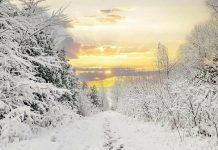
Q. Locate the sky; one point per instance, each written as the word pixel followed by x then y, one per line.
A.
pixel 125 33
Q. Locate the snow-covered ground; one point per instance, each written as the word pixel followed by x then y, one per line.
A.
pixel 109 131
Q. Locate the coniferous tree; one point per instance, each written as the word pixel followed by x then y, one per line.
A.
pixel 94 96
pixel 34 75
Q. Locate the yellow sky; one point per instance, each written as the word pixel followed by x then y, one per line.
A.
pixel 125 33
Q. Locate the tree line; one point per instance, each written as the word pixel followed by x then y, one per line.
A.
pixel 38 88
pixel 184 94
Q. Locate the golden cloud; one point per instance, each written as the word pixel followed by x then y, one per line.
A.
pixel 98 51
pixel 110 19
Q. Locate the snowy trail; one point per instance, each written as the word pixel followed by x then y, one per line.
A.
pixel 109 131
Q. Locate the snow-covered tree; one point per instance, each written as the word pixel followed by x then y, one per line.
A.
pixel 163 63
pixel 34 76
pixel 89 100
pixel 94 96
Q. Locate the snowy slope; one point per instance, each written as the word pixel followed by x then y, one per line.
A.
pixel 109 131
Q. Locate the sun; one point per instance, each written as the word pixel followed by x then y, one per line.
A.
pixel 108 72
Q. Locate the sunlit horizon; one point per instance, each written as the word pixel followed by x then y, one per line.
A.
pixel 125 33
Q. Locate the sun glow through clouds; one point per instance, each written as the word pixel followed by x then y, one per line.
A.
pixel 125 33
pixel 108 72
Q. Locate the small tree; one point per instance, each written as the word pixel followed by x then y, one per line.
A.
pixel 94 96
pixel 163 63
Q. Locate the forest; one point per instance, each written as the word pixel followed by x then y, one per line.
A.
pixel 40 90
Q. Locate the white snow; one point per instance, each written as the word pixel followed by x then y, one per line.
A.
pixel 110 131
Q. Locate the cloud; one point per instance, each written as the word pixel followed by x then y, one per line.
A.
pixel 71 47
pixel 104 19
pixel 90 74
pixel 108 16
pixel 110 19
pixel 94 50
pixel 88 47
pixel 111 50
pixel 104 16
pixel 113 10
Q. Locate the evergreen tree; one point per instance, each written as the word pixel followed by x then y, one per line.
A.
pixel 94 96
pixel 34 76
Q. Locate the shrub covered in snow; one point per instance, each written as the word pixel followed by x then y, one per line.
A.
pixel 38 87
pixel 184 95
